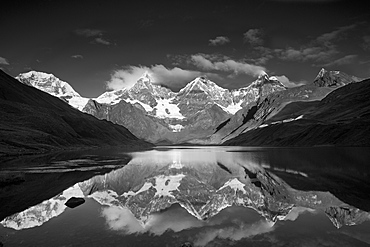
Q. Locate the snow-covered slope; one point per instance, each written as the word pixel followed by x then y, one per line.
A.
pixel 54 86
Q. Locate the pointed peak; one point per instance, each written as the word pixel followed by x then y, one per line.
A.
pixel 201 79
pixel 146 76
pixel 262 74
pixel 322 72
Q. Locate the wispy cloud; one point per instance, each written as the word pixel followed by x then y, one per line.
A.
pixel 288 83
pixel 366 43
pixel 327 38
pixel 172 77
pixel 96 34
pixel 253 37
pixel 203 62
pixel 4 61
pixel 102 41
pixel 77 56
pixel 321 49
pixel 89 32
pixel 233 233
pixel 220 40
pixel 341 61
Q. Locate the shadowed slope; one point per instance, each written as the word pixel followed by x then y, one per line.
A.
pixel 34 121
pixel 341 118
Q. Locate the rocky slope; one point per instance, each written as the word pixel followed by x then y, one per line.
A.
pixel 276 106
pixel 334 79
pixel 34 121
pixel 341 118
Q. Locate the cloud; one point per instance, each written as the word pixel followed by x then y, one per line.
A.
pixel 175 77
pixel 341 61
pixel 126 77
pixel 253 37
pixel 314 53
pixel 234 233
pixel 228 65
pixel 285 80
pixel 96 34
pixel 296 211
pixel 102 41
pixel 320 49
pixel 366 43
pixel 329 37
pixel 77 56
pixel 220 40
pixel 4 61
pixel 89 32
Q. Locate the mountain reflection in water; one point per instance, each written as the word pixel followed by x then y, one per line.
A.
pixel 206 196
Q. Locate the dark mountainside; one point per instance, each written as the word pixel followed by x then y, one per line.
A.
pixel 281 105
pixel 342 118
pixel 33 121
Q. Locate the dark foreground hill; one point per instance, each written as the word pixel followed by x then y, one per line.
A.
pixel 342 118
pixel 34 121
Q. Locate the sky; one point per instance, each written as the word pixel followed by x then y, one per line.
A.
pixel 106 45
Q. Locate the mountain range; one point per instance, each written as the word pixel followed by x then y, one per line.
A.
pixel 34 121
pixel 203 112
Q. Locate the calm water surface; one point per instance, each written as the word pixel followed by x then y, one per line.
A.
pixel 200 196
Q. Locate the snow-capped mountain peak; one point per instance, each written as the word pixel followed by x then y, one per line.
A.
pixel 51 84
pixel 146 77
pixel 202 83
pixel 47 83
pixel 336 78
pixel 321 73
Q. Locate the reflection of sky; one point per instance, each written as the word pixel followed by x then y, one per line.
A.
pixel 234 223
pixel 179 157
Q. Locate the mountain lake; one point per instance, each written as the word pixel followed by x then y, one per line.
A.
pixel 188 196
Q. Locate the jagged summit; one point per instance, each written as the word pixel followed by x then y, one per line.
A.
pixel 321 73
pixel 38 74
pixel 201 84
pixel 334 78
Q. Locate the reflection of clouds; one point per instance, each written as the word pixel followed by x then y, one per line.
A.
pixel 285 170
pixel 177 219
pixel 121 219
pixel 234 233
pixel 296 211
